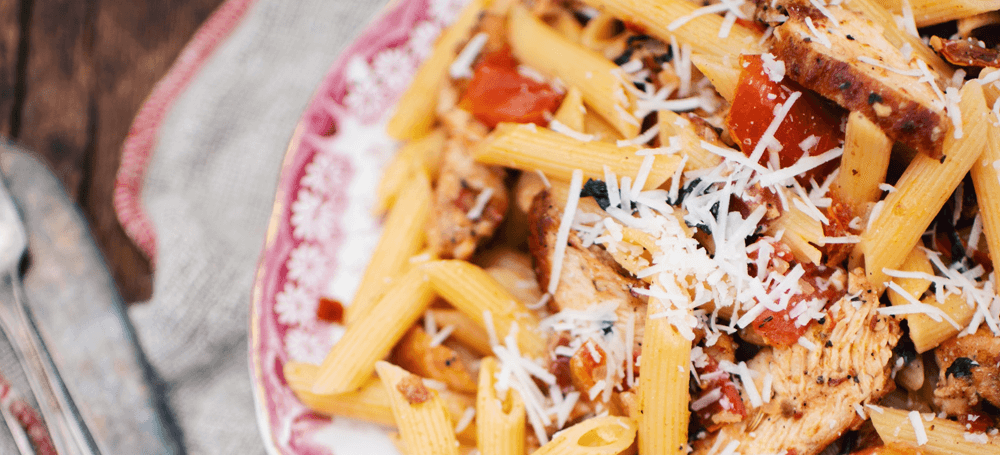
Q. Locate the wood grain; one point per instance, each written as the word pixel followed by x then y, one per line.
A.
pixel 10 35
pixel 88 66
pixel 56 116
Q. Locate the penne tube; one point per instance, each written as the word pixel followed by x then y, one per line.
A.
pixel 932 12
pixel 500 429
pixel 420 153
pixel 424 425
pixel 701 32
pixel 864 163
pixel 571 111
pixel 673 124
pixel 473 292
pixel 542 48
pixel 531 148
pixel 402 237
pixel 922 190
pixel 370 403
pixel 986 182
pixel 609 435
pixel 414 114
pixel 725 77
pixel 916 261
pixel 467 287
pixel 372 335
pixel 568 27
pixel 468 332
pixel 944 437
pixel 927 333
pixel 663 385
pixel 801 232
pixel 600 33
pixel 600 128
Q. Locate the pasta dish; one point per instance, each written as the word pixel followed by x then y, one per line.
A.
pixel 671 227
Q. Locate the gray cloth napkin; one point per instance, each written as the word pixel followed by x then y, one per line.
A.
pixel 209 190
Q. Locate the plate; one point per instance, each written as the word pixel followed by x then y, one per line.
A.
pixel 321 231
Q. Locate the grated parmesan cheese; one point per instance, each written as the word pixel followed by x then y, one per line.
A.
pixel 467 416
pixel 482 199
pixel 562 237
pixel 918 428
pixel 461 68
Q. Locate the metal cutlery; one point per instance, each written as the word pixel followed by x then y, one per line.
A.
pixel 69 434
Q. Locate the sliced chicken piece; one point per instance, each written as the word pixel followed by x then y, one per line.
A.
pixel 455 229
pixel 970 372
pixel 590 277
pixel 966 52
pixel 815 391
pixel 829 62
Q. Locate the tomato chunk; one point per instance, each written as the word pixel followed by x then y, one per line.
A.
pixel 754 104
pixel 498 93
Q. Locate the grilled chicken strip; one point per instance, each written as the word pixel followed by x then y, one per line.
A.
pixel 454 232
pixel 828 61
pixel 970 372
pixel 814 391
pixel 589 276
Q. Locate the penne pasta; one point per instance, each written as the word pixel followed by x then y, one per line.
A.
pixel 724 76
pixel 932 12
pixel 598 436
pixel 927 333
pixel 501 421
pixel 468 332
pixel 663 387
pixel 467 287
pixel 423 421
pixel 916 261
pixel 864 163
pixel 402 237
pixel 371 336
pixel 986 182
pixel 473 292
pixel 571 111
pixel 540 47
pixel 923 190
pixel 557 155
pixel 420 153
pixel 701 32
pixel 370 403
pixel 943 437
pixel 410 119
pixel 673 124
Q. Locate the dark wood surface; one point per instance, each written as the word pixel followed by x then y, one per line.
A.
pixel 73 73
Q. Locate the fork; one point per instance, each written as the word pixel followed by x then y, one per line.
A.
pixel 69 434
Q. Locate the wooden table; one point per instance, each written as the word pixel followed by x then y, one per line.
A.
pixel 73 73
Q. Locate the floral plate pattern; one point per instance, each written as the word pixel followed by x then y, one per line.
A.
pixel 321 232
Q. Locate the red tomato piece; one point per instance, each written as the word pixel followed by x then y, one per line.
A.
pixel 498 93
pixel 330 310
pixel 730 401
pixel 755 101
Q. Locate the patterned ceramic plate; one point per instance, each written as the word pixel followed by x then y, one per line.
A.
pixel 322 232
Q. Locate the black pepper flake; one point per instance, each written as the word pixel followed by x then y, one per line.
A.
pixel 908 126
pixel 634 39
pixel 766 320
pixel 665 57
pixel 844 85
pixel 943 157
pixel 607 327
pixel 820 380
pixel 828 344
pixel 961 367
pixel 624 58
pixel 598 190
pixel 850 37
pixel 874 98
